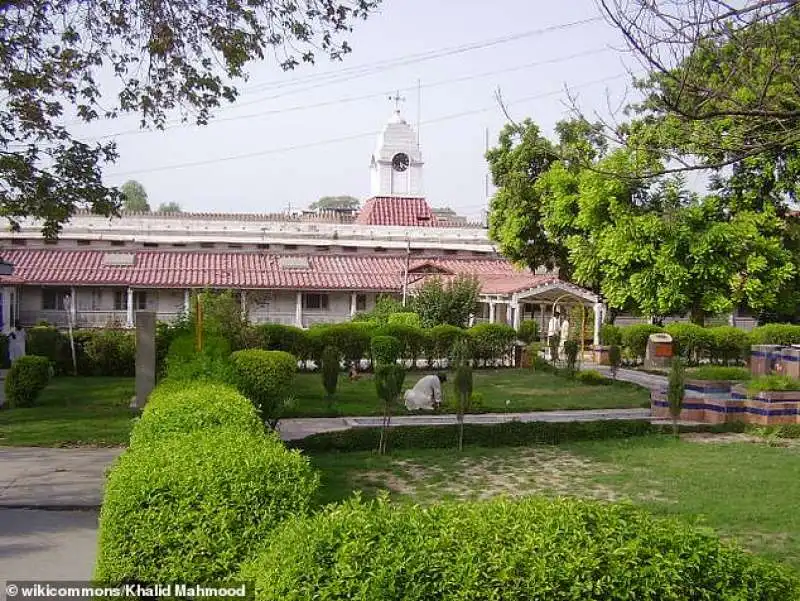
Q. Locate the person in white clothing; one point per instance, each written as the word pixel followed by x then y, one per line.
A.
pixel 426 394
pixel 16 343
pixel 564 336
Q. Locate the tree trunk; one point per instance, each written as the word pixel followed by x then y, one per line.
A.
pixel 697 316
pixel 460 418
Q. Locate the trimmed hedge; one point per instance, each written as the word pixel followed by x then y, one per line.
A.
pixel 351 338
pixel 776 333
pixel 26 379
pixel 690 341
pixel 634 338
pixel 442 339
pixel 265 377
pixel 290 339
pixel 180 407
pixel 412 340
pixel 729 344
pixel 491 341
pixel 610 335
pixel 47 341
pixel 111 353
pixel 592 377
pixel 385 350
pixel 183 362
pixel 405 319
pixel 189 508
pixel 509 434
pixel 534 548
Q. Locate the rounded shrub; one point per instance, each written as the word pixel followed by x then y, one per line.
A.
pixel 278 337
pixel 528 331
pixel 47 341
pixel 190 507
pixel 512 550
pixel 176 407
pixel 729 344
pixel 412 339
pixel 265 377
pixel 634 338
pixel 443 339
pixel 385 350
pixel 592 377
pixel 26 379
pixel 351 338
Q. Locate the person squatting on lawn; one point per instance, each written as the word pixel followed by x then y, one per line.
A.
pixel 426 394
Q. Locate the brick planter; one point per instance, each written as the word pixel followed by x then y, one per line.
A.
pixel 601 355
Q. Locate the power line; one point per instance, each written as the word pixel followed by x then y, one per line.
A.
pixel 356 72
pixel 348 99
pixel 353 136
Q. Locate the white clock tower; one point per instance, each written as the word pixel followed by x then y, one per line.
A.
pixel 396 165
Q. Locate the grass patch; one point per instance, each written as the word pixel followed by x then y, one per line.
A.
pixel 72 412
pixel 742 490
pixel 497 391
pixel 718 372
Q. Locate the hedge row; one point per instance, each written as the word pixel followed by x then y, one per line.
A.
pixel 200 486
pixel 533 548
pixel 26 379
pixel 721 344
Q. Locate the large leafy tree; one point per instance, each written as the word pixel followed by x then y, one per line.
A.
pixel 134 197
pixel 650 246
pixel 452 302
pixel 166 56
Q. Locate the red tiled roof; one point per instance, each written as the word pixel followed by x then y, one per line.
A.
pixel 393 210
pixel 198 269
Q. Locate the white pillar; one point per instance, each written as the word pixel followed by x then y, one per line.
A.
pixel 244 303
pixel 7 297
pixel 298 311
pixel 517 316
pixel 732 319
pixel 130 307
pixel 491 311
pixel 598 317
pixel 187 301
pixel 352 304
pixel 471 319
pixel 74 304
pixel 543 319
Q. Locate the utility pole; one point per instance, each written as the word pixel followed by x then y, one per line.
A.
pixel 405 271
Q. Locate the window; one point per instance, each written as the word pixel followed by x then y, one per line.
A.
pixel 323 249
pixel 350 249
pixel 117 243
pixel 379 249
pixel 262 246
pixel 18 242
pixel 50 242
pixel 315 302
pixel 53 299
pixel 150 244
pixel 179 244
pixel 234 246
pixel 290 247
pixel 206 245
pixel 361 302
pixel 97 300
pixel 121 300
pixel 450 251
pixel 84 242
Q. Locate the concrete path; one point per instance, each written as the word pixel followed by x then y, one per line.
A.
pixel 645 380
pixel 47 545
pixel 32 477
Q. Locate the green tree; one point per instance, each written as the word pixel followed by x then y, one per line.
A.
pixel 134 197
pixel 331 358
pixel 452 302
pixel 335 202
pixel 169 207
pixel 171 56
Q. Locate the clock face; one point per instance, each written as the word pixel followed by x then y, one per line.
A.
pixel 400 161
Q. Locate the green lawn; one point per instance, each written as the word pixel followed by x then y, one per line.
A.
pixel 743 490
pixel 500 391
pixel 94 411
pixel 72 411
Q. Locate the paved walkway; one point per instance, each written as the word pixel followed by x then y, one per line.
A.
pixel 641 378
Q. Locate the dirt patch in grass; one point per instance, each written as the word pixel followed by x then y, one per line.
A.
pixel 739 437
pixel 545 470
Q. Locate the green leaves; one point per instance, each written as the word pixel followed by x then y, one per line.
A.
pixel 452 303
pixel 265 377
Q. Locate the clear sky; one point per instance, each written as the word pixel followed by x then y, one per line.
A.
pixel 310 132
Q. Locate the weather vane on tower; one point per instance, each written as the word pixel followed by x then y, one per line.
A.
pixel 397 99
